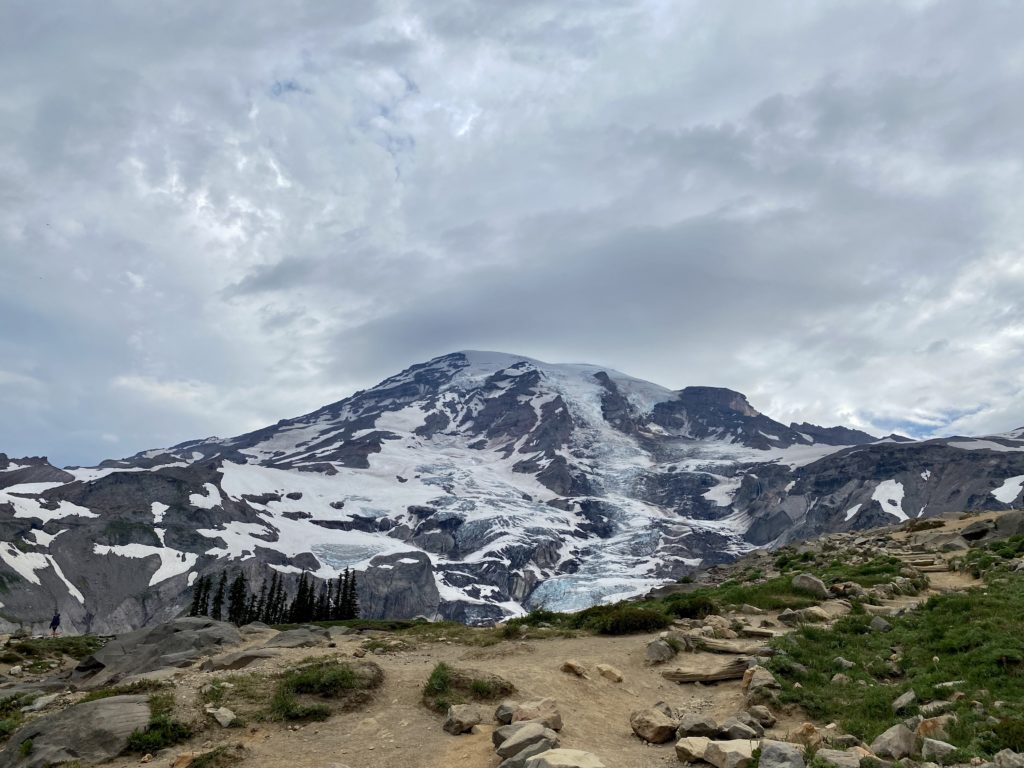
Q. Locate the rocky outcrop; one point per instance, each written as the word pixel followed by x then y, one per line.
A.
pixel 88 733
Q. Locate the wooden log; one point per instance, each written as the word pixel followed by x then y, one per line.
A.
pixel 757 632
pixel 718 645
pixel 732 670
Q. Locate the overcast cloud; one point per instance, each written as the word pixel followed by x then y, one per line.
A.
pixel 214 216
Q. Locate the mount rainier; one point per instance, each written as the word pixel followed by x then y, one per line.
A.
pixel 471 487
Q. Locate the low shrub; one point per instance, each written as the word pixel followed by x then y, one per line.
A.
pixel 446 686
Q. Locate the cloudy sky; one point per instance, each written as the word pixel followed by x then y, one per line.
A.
pixel 213 216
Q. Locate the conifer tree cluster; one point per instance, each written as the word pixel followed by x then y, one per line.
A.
pixel 332 600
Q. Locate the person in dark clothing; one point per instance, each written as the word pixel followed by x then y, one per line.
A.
pixel 54 624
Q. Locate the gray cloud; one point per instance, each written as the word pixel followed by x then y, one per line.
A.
pixel 213 218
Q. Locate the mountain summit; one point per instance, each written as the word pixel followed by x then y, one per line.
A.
pixel 472 487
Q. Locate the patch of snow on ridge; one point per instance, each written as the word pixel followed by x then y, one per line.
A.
pixel 25 564
pixel 890 495
pixel 722 494
pixel 209 500
pixel 1009 490
pixel 32 508
pixel 172 562
pixel 159 510
pixel 985 445
pixel 926 475
pixel 852 511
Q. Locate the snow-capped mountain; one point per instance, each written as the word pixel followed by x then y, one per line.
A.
pixel 473 486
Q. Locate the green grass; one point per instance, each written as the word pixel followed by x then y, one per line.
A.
pixel 75 646
pixel 219 757
pixel 11 716
pixel 972 636
pixel 321 679
pixel 162 730
pixel 447 686
pixel 138 687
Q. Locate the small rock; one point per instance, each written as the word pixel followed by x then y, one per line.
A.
pixel 903 702
pixel 652 725
pixel 146 758
pixel 844 663
pixel 840 678
pixel 503 714
pixel 224 716
pixel 359 653
pixel 814 614
pixel 610 672
pixel 461 718
pixel 935 727
pixel 780 754
pixel 15 671
pixel 574 668
pixel 762 715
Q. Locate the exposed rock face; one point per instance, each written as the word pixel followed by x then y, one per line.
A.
pixel 466 487
pixel 175 644
pixel 98 731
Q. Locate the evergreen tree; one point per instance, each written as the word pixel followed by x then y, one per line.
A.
pixel 323 603
pixel 237 597
pixel 217 609
pixel 259 608
pixel 298 609
pixel 197 594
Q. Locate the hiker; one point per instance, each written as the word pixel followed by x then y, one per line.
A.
pixel 54 624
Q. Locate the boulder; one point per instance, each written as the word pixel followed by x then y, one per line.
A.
pixel 93 732
pixel 461 718
pixel 897 742
pixel 780 754
pixel 738 753
pixel 697 725
pixel 500 735
pixel 659 651
pixel 904 702
pixel 519 759
pixel 815 614
pixel 837 758
pixel 174 644
pixel 936 751
pixel 758 678
pixel 691 749
pixel 609 672
pixel 529 734
pixel 564 758
pixel 653 725
pixel 878 624
pixel 542 710
pixel 844 663
pixel 1007 758
pixel 812 584
pixel 935 708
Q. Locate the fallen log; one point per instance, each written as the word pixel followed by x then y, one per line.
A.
pixel 717 645
pixel 732 670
